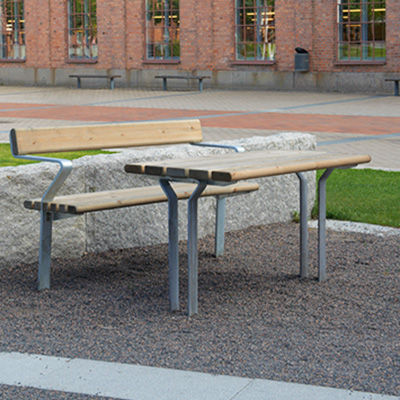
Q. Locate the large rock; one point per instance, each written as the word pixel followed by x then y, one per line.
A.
pixel 136 226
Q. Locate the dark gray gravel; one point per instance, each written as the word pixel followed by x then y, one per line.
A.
pixel 256 317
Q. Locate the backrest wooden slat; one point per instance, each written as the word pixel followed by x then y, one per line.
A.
pixel 92 137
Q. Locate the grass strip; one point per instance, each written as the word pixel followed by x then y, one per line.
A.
pixel 363 195
pixel 7 160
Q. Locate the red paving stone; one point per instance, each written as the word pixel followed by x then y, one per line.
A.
pixel 270 121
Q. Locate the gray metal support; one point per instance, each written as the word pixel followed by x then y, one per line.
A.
pixel 220 226
pixel 303 225
pixel 79 83
pixel 322 224
pixel 192 249
pixel 164 83
pixel 46 224
pixel 112 83
pixel 172 244
pixel 200 85
pixel 396 88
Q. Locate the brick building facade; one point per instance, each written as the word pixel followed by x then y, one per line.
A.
pixel 216 38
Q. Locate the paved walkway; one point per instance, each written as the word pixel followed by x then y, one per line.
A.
pixel 341 122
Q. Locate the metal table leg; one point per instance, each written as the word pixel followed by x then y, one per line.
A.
pixel 220 226
pixel 46 224
pixel 303 225
pixel 322 224
pixel 172 244
pixel 192 249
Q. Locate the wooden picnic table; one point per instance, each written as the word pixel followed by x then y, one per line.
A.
pixel 230 168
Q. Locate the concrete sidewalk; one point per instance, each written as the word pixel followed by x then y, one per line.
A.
pixel 134 382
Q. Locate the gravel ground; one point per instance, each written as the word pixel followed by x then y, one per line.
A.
pixel 256 318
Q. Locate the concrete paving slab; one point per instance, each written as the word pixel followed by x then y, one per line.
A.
pixel 134 382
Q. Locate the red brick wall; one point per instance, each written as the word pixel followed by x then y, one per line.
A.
pixel 207 36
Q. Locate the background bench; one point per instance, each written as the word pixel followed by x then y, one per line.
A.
pixel 396 84
pixel 109 77
pixel 26 143
pixel 199 78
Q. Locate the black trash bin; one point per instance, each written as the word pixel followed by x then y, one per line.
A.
pixel 301 60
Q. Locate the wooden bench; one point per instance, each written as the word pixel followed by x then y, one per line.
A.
pixel 27 143
pixel 396 84
pixel 109 77
pixel 199 78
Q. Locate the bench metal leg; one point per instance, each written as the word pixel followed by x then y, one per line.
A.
pixel 322 224
pixel 220 226
pixel 79 83
pixel 200 85
pixel 112 83
pixel 303 225
pixel 192 249
pixel 396 88
pixel 172 244
pixel 164 83
pixel 46 223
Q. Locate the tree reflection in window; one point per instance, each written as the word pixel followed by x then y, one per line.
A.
pixel 361 30
pixel 255 30
pixel 162 30
pixel 82 29
pixel 12 43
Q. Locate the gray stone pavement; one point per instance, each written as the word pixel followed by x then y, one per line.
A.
pixel 140 383
pixel 384 148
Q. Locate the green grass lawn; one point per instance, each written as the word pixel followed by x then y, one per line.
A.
pixel 363 195
pixel 7 160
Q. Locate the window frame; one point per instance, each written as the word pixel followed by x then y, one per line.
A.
pixel 13 31
pixel 365 24
pixel 88 14
pixel 268 10
pixel 153 46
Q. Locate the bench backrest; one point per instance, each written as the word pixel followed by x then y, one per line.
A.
pixel 107 136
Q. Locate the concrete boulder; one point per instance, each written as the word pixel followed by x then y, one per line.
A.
pixel 136 226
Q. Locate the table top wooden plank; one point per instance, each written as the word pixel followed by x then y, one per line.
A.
pixel 255 164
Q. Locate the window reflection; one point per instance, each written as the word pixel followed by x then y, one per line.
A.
pixel 255 30
pixel 361 30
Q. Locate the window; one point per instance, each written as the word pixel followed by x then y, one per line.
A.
pixel 162 30
pixel 82 29
pixel 12 22
pixel 361 30
pixel 255 30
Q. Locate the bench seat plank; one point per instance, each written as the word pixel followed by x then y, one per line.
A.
pixel 95 76
pixel 182 77
pixel 107 200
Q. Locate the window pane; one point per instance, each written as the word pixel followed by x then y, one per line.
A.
pixel 255 25
pixel 162 29
pixel 12 40
pixel 361 29
pixel 82 29
pixel 343 51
